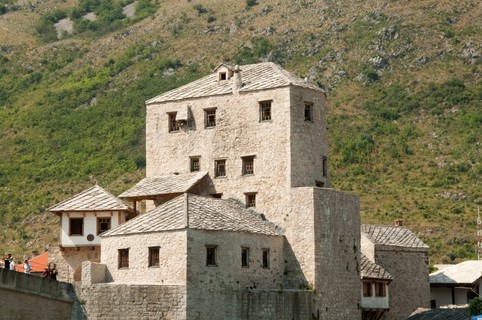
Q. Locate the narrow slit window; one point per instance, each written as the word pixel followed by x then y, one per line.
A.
pixel 325 166
pixel 195 164
pixel 265 258
pixel 220 168
pixel 123 258
pixel 308 111
pixel 211 256
pixel 245 257
pixel 248 165
pixel 210 118
pixel 173 124
pixel 154 256
pixel 265 111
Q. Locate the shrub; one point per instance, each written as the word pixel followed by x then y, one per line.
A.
pixel 251 3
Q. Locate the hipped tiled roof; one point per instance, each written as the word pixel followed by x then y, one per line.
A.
pixel 254 77
pixel 371 270
pixel 197 212
pixel 467 272
pixel 441 314
pixel 92 199
pixel 392 236
pixel 170 184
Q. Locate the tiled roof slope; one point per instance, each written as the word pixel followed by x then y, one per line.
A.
pixel 260 76
pixel 392 236
pixel 371 270
pixel 466 272
pixel 197 212
pixel 441 314
pixel 154 186
pixel 92 199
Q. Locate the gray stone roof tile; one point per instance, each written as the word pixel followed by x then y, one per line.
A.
pixel 441 314
pixel 92 199
pixel 393 236
pixel 197 212
pixel 371 270
pixel 154 186
pixel 258 76
pixel 467 272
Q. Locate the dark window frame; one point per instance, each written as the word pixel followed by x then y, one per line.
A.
pixel 250 199
pixel 71 219
pixel 220 168
pixel 173 125
pixel 248 165
pixel 154 256
pixel 266 258
pixel 100 222
pixel 211 256
pixel 210 118
pixel 325 166
pixel 367 289
pixel 380 289
pixel 265 108
pixel 195 164
pixel 308 111
pixel 123 258
pixel 244 257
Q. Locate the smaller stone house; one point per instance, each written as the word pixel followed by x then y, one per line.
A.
pixel 199 242
pixel 82 218
pixel 455 284
pixel 401 253
pixel 375 296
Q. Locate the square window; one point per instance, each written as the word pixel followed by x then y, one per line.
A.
pixel 222 76
pixel 154 256
pixel 210 118
pixel 265 111
pixel 265 258
pixel 76 226
pixel 319 184
pixel 123 258
pixel 308 111
pixel 103 224
pixel 367 289
pixel 195 164
pixel 245 257
pixel 173 124
pixel 248 165
pixel 250 200
pixel 211 255
pixel 216 195
pixel 220 168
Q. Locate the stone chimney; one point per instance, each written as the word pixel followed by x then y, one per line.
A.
pixel 237 81
pixel 399 222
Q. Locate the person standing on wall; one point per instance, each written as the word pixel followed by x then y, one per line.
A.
pixel 12 264
pixel 53 272
pixel 7 262
pixel 27 267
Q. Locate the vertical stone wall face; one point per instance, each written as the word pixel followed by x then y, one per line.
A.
pixel 69 261
pixel 229 273
pixel 172 256
pixel 115 301
pixel 324 232
pixel 410 288
pixel 308 143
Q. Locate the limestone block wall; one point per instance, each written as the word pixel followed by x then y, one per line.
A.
pixel 172 258
pixel 410 288
pixel 116 301
pixel 323 232
pixel 228 273
pixel 309 143
pixel 238 132
pixel 93 273
pixel 69 261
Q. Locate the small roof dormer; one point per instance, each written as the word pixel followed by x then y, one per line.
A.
pixel 224 71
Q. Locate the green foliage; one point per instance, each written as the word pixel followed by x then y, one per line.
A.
pixel 145 8
pixel 357 149
pixel 261 47
pixel 475 306
pixel 45 27
pixel 251 3
pixel 200 9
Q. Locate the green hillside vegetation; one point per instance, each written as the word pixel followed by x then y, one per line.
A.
pixel 403 84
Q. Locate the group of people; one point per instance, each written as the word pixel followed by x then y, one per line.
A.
pixel 49 272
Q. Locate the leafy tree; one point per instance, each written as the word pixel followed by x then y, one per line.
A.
pixel 475 306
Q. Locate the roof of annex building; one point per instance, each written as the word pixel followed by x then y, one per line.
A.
pixel 440 314
pixel 190 211
pixel 160 185
pixel 396 236
pixel 92 199
pixel 260 76
pixel 371 270
pixel 467 272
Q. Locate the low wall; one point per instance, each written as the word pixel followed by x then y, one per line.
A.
pixel 26 296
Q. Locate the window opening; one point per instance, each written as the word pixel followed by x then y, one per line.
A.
pixel 325 166
pixel 103 224
pixel 308 111
pixel 266 258
pixel 173 124
pixel 245 257
pixel 265 111
pixel 211 255
pixel 367 289
pixel 248 165
pixel 195 164
pixel 250 200
pixel 154 256
pixel 123 258
pixel 76 226
pixel 220 168
pixel 380 289
pixel 210 116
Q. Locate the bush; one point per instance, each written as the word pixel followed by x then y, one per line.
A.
pixel 251 3
pixel 200 9
pixel 475 306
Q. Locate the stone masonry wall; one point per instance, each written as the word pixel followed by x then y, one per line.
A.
pixel 172 258
pixel 69 261
pixel 410 288
pixel 228 273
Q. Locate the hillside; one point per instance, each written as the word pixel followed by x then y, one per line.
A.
pixel 403 81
